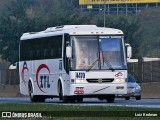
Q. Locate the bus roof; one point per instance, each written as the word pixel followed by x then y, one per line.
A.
pixel 72 30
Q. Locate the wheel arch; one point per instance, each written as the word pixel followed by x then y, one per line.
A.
pixel 31 81
pixel 60 81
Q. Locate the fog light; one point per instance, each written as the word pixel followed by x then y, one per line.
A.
pixel 79 81
pixel 119 80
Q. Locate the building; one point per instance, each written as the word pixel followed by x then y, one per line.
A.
pixel 115 6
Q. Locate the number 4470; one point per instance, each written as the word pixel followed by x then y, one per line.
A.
pixel 80 75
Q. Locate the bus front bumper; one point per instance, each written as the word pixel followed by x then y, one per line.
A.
pixel 97 89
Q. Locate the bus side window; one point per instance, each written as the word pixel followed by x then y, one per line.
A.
pixel 59 52
pixel 38 53
pixel 46 52
pixel 52 53
pixel 30 54
pixel 23 52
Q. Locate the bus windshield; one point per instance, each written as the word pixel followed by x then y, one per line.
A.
pixel 97 53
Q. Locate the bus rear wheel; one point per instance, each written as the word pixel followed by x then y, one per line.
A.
pixel 41 99
pixel 33 98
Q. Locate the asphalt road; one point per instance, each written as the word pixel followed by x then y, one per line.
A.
pixel 148 103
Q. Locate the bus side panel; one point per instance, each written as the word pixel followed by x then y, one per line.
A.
pixel 66 84
pixel 46 74
pixel 24 73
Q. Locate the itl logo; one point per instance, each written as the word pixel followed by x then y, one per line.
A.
pixel 43 80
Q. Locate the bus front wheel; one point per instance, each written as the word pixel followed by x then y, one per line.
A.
pixel 60 92
pixel 65 99
pixel 110 98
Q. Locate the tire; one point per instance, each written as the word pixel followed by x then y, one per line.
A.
pixel 41 99
pixel 72 99
pixel 127 98
pixel 110 98
pixel 60 92
pixel 65 99
pixel 33 98
pixel 138 98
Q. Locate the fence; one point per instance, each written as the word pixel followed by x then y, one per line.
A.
pixel 142 71
pixel 145 71
pixel 9 77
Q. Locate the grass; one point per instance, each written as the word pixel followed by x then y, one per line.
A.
pixel 75 112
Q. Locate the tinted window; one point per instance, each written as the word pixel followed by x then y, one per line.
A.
pixel 41 48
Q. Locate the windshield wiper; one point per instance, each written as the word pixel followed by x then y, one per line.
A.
pixel 105 61
pixel 92 65
pixel 108 63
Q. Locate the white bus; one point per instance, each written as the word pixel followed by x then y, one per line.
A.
pixel 73 62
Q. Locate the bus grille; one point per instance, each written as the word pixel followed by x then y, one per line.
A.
pixel 99 80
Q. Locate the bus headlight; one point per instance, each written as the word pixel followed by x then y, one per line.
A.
pixel 119 80
pixel 78 81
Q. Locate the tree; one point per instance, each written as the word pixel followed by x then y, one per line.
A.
pixel 36 15
pixel 12 24
pixel 31 16
pixel 130 25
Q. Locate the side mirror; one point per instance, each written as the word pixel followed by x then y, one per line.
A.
pixel 128 50
pixel 13 66
pixel 68 51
